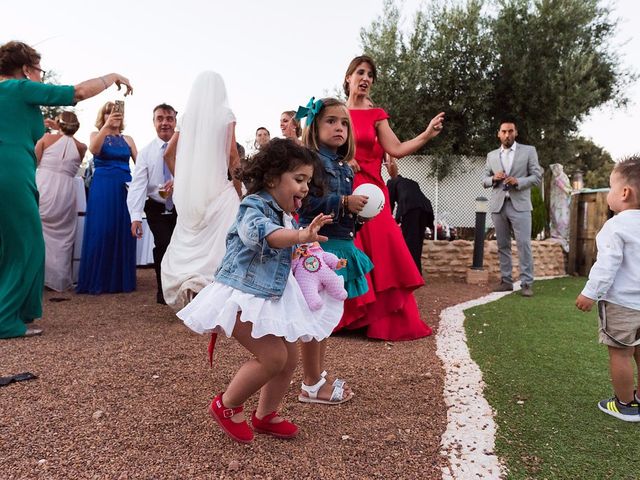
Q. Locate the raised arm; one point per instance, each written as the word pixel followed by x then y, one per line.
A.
pixel 170 153
pixel 285 237
pixel 90 88
pixel 398 149
pixel 234 160
pixel 96 139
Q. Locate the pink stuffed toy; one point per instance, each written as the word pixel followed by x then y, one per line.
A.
pixel 314 271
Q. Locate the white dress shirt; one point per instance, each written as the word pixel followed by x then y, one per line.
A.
pixel 148 174
pixel 506 157
pixel 615 277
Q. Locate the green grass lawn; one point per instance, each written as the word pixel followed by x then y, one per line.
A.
pixel 545 373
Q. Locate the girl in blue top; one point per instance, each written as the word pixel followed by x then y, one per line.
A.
pixel 255 297
pixel 329 133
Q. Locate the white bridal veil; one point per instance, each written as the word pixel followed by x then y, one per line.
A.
pixel 202 156
pixel 205 199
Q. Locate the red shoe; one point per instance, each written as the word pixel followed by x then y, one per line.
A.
pixel 240 431
pixel 283 429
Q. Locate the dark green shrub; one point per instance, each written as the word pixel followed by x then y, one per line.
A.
pixel 539 213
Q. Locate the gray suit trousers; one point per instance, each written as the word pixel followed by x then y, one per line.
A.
pixel 521 224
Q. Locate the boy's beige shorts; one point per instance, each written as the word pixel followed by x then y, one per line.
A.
pixel 619 326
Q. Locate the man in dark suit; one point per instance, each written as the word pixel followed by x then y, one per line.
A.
pixel 414 212
pixel 510 172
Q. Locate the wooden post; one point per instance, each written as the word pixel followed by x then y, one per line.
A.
pixel 589 212
pixel 573 234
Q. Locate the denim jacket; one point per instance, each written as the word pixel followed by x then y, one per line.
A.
pixel 339 181
pixel 250 264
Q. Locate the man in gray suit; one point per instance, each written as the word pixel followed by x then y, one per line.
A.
pixel 511 171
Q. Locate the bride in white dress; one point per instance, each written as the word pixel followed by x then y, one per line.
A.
pixel 201 155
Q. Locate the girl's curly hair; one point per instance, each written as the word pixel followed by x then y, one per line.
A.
pixel 278 156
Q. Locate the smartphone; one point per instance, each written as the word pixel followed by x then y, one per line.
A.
pixel 118 106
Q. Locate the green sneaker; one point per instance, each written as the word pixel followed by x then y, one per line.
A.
pixel 613 407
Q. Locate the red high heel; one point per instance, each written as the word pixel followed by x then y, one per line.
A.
pixel 240 431
pixel 283 429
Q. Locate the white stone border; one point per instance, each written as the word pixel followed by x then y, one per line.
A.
pixel 469 439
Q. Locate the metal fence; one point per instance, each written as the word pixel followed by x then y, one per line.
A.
pixel 453 198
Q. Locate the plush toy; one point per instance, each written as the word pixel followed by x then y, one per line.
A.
pixel 314 271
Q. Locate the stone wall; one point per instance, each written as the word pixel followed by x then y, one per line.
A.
pixel 443 259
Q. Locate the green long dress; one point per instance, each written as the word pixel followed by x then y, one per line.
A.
pixel 21 241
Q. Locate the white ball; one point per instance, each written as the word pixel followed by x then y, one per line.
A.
pixel 375 204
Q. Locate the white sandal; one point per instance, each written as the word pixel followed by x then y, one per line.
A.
pixel 337 395
pixel 337 382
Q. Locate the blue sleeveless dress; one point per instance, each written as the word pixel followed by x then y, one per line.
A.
pixel 108 261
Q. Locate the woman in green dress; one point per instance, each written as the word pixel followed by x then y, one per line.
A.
pixel 21 126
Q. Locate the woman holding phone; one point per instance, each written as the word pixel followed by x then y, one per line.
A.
pixel 22 91
pixel 108 261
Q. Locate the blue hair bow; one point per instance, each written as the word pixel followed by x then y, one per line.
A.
pixel 310 111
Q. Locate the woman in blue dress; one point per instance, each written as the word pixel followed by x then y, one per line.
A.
pixel 108 262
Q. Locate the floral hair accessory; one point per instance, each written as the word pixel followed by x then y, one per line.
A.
pixel 310 111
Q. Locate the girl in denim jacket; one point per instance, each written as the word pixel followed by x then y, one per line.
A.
pixel 255 297
pixel 328 132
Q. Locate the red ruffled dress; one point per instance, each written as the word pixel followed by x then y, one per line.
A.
pixel 388 310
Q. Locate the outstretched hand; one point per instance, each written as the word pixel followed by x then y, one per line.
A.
pixel 310 233
pixel 435 125
pixel 120 80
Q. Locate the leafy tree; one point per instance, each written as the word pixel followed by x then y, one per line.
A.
pixel 590 159
pixel 549 62
pixel 401 73
pixel 539 213
pixel 457 61
pixel 553 66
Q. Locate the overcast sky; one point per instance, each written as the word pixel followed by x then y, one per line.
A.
pixel 272 55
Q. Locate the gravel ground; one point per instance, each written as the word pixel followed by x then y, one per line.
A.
pixel 123 391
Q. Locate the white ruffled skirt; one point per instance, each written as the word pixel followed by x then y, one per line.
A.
pixel 215 308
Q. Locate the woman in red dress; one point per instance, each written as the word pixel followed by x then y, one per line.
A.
pixel 388 310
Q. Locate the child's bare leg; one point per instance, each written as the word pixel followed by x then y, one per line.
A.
pixel 273 391
pixel 323 352
pixel 322 368
pixel 622 375
pixel 311 361
pixel 270 358
pixel 313 354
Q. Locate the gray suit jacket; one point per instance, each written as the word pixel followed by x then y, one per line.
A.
pixel 525 168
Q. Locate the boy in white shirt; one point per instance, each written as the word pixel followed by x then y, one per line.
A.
pixel 614 282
